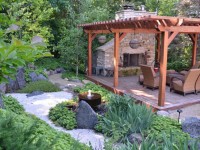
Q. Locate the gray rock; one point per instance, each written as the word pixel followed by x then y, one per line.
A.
pixel 33 76
pixel 12 85
pixel 51 72
pixel 86 81
pixel 162 113
pixel 135 138
pixel 3 88
pixel 41 77
pixel 75 80
pixel 1 102
pixel 86 117
pixel 59 70
pixel 35 93
pixel 20 77
pixel 192 126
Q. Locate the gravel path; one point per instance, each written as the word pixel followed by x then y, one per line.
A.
pixel 39 105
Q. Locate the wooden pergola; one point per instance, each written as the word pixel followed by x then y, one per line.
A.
pixel 165 30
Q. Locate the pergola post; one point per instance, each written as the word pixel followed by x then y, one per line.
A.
pixel 89 54
pixel 90 39
pixel 157 57
pixel 116 58
pixel 194 49
pixel 163 68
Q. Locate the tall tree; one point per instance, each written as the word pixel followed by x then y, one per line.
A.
pixel 163 7
pixel 31 16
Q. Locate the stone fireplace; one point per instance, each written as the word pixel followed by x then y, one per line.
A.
pixel 128 57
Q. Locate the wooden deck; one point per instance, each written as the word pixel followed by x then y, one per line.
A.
pixel 130 85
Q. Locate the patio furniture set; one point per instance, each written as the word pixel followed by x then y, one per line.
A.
pixel 183 82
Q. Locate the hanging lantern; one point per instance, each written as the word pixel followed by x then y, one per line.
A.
pixel 102 39
pixel 134 43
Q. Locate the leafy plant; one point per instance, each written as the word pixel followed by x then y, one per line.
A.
pixel 13 105
pixel 62 116
pixel 124 117
pixel 168 126
pixel 32 133
pixel 94 88
pixel 170 143
pixel 48 63
pixel 14 55
pixel 41 85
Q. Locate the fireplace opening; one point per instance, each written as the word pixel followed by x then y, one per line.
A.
pixel 132 60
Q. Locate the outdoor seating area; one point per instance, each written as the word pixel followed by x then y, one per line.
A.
pixel 130 85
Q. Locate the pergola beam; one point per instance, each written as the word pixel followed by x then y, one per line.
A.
pixel 180 29
pixel 122 36
pixel 172 36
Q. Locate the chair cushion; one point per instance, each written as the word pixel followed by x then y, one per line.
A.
pixel 171 71
pixel 178 85
pixel 184 72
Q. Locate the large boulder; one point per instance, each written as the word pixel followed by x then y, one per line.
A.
pixel 3 88
pixel 41 77
pixel 135 138
pixel 20 77
pixel 12 85
pixel 33 76
pixel 35 93
pixel 86 117
pixel 192 126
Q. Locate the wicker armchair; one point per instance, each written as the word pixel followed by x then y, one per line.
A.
pixel 196 66
pixel 197 86
pixel 151 79
pixel 187 83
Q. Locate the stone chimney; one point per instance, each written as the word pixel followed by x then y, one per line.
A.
pixel 129 12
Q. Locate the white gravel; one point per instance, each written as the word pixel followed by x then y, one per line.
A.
pixel 39 106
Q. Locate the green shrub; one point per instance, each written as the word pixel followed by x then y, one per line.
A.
pixel 62 116
pixel 26 132
pixel 49 63
pixel 124 117
pixel 42 85
pixel 94 88
pixel 170 143
pixel 72 75
pixel 168 126
pixel 13 105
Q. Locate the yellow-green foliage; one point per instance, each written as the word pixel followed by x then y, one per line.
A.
pixel 62 116
pixel 129 71
pixel 168 126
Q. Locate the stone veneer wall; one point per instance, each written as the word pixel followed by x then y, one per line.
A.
pixel 105 54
